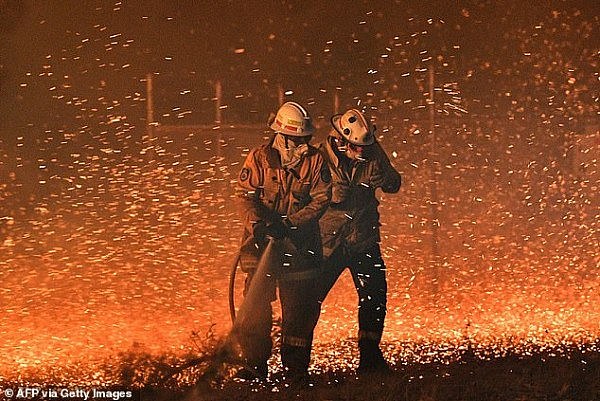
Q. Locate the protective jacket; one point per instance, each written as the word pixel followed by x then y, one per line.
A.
pixel 268 193
pixel 352 220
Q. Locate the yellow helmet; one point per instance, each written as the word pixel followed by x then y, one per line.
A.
pixel 354 127
pixel 293 119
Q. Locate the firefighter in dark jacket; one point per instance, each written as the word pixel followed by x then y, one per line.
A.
pixel 284 188
pixel 350 226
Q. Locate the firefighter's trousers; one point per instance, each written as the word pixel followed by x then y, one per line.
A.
pixel 300 311
pixel 368 273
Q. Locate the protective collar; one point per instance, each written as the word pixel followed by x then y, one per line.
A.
pixel 291 155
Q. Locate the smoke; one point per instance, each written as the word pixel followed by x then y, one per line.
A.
pixel 11 12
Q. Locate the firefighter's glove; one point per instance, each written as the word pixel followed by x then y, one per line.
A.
pixel 340 191
pixel 259 231
pixel 278 229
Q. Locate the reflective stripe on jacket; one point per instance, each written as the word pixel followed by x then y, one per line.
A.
pixel 268 192
pixel 352 219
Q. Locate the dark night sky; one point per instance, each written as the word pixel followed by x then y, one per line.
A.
pixel 54 54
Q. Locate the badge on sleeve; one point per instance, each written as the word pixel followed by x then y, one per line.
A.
pixel 326 175
pixel 245 174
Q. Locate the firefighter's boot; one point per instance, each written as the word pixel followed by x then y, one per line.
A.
pixel 371 358
pixel 295 360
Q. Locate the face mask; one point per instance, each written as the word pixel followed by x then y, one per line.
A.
pixel 290 149
pixel 351 151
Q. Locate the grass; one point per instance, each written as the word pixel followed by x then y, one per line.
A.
pixel 545 376
pixel 560 373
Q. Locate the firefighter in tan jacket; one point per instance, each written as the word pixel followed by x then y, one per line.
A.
pixel 350 226
pixel 284 188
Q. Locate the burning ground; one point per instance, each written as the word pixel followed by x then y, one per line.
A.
pixel 120 267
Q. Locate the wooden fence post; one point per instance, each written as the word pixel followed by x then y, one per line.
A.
pixel 218 102
pixel 280 94
pixel 433 201
pixel 150 124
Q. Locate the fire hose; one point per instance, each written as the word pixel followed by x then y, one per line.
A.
pixel 225 352
pixel 287 276
pixel 232 274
